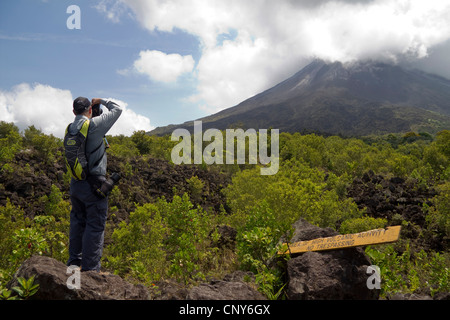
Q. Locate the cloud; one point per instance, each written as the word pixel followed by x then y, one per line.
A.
pixel 218 84
pixel 163 67
pixel 50 110
pixel 274 39
pixel 111 9
pixel 47 108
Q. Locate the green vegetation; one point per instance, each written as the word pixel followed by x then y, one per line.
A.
pixel 176 238
pixel 410 271
pixel 23 291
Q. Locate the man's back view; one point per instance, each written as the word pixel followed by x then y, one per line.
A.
pixel 89 211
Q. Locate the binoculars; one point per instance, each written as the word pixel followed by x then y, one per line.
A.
pixel 96 110
pixel 101 186
pixel 108 184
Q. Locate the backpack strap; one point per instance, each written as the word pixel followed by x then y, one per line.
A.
pixel 85 132
pixel 67 129
pixel 68 166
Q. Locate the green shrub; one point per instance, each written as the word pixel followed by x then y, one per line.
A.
pixel 23 291
pixel 48 147
pixel 164 239
pixel 28 242
pixel 257 246
pixel 295 192
pixel 408 272
pixel 136 248
pixel 12 220
pixel 158 147
pixel 438 217
pixel 10 142
pixel 54 223
pixel 257 238
pixel 362 224
pixel 443 142
pixel 187 239
pixel 21 237
pixel 195 188
pixel 122 146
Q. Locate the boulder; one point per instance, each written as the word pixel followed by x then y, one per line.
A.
pixel 169 290
pixel 53 279
pixel 232 287
pixel 409 296
pixel 327 275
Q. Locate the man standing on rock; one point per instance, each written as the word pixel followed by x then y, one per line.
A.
pixel 89 211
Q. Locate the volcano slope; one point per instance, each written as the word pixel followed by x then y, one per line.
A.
pixel 349 99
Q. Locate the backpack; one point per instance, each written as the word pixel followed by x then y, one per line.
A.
pixel 75 152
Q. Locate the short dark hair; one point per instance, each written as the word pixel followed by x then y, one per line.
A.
pixel 81 105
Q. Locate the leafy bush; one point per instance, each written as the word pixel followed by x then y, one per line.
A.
pixel 443 142
pixel 10 142
pixel 21 237
pixel 362 224
pixel 438 218
pixel 28 242
pixel 12 220
pixel 47 146
pixel 54 223
pixel 195 188
pixel 187 239
pixel 136 248
pixel 162 239
pixel 24 290
pixel 408 272
pixel 296 191
pixel 121 146
pixel 258 238
pixel 257 247
pixel 140 144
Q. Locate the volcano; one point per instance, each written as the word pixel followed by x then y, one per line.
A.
pixel 348 99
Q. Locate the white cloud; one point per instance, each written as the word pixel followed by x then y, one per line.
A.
pixel 111 9
pixel 50 110
pixel 218 67
pixel 276 38
pixel 47 108
pixel 163 67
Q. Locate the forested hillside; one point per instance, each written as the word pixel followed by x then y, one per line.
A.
pixel 165 220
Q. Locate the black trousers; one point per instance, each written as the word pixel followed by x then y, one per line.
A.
pixel 87 226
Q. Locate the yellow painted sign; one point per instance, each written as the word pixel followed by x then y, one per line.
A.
pixel 391 234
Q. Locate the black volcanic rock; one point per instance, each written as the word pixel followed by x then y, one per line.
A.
pixel 327 275
pixel 352 99
pixel 53 278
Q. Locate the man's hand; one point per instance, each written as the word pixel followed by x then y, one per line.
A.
pixel 96 101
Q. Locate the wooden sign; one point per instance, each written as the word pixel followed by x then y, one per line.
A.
pixel 391 234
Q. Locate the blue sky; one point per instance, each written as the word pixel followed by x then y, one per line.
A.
pixel 174 61
pixel 37 47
